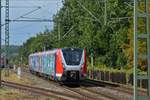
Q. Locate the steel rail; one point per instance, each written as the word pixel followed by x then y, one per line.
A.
pixel 41 91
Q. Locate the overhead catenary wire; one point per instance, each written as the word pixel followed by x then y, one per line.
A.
pixel 24 15
pixel 35 20
pixel 68 31
pixel 107 1
pixel 30 12
pixel 52 0
pixel 121 18
pixel 34 0
pixel 22 6
pixel 32 19
pixel 90 13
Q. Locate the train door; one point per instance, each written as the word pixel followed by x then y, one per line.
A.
pixel 55 78
pixel 37 63
pixel 53 65
pixel 34 63
pixel 42 63
pixel 49 67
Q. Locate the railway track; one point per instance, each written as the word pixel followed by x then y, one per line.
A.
pixel 86 93
pixel 90 95
pixel 100 93
pixel 103 87
pixel 83 93
pixel 116 86
pixel 119 92
pixel 42 91
pixel 54 94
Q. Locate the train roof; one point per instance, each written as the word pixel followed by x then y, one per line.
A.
pixel 44 52
pixel 72 48
pixel 51 51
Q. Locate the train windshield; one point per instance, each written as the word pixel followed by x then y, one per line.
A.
pixel 72 56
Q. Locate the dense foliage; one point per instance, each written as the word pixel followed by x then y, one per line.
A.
pixel 80 23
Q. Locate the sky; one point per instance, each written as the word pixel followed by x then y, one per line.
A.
pixel 21 31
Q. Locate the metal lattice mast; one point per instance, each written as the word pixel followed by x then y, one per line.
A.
pixel 138 15
pixel 7 27
pixel 0 42
pixel 6 32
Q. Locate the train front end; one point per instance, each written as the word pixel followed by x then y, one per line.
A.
pixel 74 64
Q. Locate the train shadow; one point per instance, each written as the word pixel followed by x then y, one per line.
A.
pixel 83 83
pixel 89 83
pixel 97 83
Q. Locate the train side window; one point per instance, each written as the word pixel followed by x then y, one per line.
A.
pixel 36 61
pixel 40 61
pixel 46 60
pixel 33 61
pixel 43 61
pixel 49 60
pixel 53 61
pixel 30 61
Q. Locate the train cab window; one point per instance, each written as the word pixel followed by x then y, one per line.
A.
pixel 72 56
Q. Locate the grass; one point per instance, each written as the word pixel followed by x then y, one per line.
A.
pixel 2 90
pixel 13 77
pixel 14 94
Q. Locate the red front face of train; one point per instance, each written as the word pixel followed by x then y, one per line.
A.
pixel 71 64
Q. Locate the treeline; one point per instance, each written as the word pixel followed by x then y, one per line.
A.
pixel 81 23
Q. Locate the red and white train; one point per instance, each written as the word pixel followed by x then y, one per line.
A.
pixel 66 64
